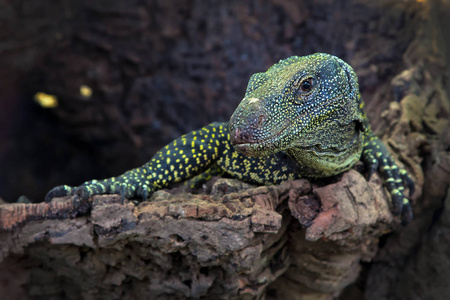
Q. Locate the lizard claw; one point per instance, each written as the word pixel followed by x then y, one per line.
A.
pixel 143 191
pixel 59 191
pixel 123 192
pixel 80 204
pixel 407 214
pixel 83 192
pixel 407 181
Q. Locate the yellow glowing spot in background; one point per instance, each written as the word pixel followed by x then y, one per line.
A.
pixel 46 100
pixel 85 91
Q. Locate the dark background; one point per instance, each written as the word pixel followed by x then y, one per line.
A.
pixel 159 69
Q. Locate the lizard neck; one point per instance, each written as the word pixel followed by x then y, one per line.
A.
pixel 328 159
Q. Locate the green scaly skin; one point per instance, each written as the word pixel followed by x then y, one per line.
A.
pixel 302 118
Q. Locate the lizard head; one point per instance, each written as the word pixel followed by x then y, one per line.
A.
pixel 307 106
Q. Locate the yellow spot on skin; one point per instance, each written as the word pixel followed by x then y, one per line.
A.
pixel 395 191
pixel 85 91
pixel 46 100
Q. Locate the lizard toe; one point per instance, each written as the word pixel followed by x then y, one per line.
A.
pixel 59 191
pixel 407 214
pixel 407 181
pixel 83 192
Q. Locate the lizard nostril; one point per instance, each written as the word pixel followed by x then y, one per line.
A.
pixel 245 137
pixel 240 137
pixel 261 120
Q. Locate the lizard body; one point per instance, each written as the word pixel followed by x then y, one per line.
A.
pixel 303 117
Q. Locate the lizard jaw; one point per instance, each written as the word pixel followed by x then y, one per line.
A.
pixel 247 145
pixel 252 149
pixel 243 148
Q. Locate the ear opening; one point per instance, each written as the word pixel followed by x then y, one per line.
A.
pixel 360 125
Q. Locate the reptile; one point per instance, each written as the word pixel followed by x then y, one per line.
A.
pixel 302 118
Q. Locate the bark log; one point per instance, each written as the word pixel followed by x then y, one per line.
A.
pixel 220 244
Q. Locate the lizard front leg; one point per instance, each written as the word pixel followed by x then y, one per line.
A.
pixel 377 157
pixel 184 158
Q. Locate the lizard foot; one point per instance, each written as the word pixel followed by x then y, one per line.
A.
pixel 376 156
pixel 126 188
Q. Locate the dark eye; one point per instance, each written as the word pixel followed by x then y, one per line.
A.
pixel 306 85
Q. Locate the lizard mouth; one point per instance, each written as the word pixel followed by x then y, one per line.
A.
pixel 249 146
pixel 244 148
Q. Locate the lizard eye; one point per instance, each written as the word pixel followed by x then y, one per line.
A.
pixel 303 88
pixel 306 85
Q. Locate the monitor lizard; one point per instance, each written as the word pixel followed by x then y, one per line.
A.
pixel 302 118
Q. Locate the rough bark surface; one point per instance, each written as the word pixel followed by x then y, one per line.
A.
pixel 213 245
pixel 157 71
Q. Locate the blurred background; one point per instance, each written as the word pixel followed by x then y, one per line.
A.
pixel 89 89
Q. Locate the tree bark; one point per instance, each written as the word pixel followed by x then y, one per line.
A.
pixel 219 244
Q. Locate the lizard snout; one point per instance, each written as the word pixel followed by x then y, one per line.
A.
pixel 246 125
pixel 240 136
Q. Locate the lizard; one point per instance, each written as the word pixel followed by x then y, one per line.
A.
pixel 302 118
